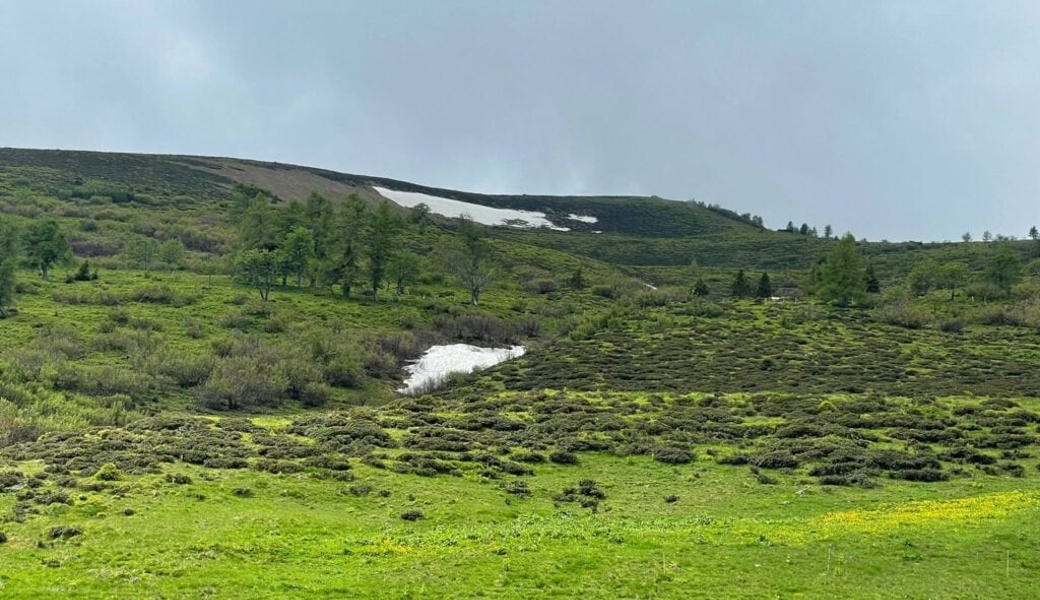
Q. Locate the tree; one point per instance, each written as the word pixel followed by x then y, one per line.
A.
pixel 966 238
pixel 419 216
pixel 1034 234
pixel 320 219
pixel 700 288
pixel 171 252
pixel 790 227
pixel 45 245
pixel 142 252
pixel 873 284
pixel 827 232
pixel 1003 270
pixel 577 280
pixel 296 254
pixel 8 265
pixel 259 225
pixel 349 231
pixel 473 264
pixel 741 287
pixel 843 276
pixel 953 275
pixel 987 236
pixel 383 227
pixel 765 288
pixel 923 277
pixel 258 268
pixel 804 229
pixel 83 273
pixel 403 268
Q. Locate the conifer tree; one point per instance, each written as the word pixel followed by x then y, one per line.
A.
pixel 741 287
pixel 765 287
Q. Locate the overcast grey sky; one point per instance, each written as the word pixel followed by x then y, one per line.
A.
pixel 897 120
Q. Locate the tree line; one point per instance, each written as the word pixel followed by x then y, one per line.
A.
pixel 350 245
pixel 844 277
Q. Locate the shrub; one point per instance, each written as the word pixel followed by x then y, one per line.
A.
pixel 779 459
pixel 220 462
pixel 923 475
pixel 412 515
pixel 590 487
pixel 517 488
pixel 671 455
pixel 108 472
pixel 64 532
pixel 562 457
pixel 541 286
pixel 153 294
pixel 903 314
pixel 529 457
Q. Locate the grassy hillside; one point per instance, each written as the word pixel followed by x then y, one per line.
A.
pixel 166 433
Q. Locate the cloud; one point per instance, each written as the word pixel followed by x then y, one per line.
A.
pixel 895 120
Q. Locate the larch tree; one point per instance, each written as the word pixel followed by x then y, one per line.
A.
pixel 383 228
pixel 350 228
pixel 296 254
pixel 843 276
pixel 473 265
pixel 1004 269
pixel 403 267
pixel 45 246
pixel 257 268
pixel 320 218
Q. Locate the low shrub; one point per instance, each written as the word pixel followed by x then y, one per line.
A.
pixel 672 455
pixel 562 457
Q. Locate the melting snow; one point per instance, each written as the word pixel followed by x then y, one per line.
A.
pixel 583 218
pixel 485 215
pixel 439 361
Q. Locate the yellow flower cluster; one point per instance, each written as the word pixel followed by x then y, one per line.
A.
pixel 925 512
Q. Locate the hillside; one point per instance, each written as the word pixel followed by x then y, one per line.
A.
pixel 198 395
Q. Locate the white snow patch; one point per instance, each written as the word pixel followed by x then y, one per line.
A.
pixel 440 361
pixel 485 215
pixel 651 286
pixel 583 218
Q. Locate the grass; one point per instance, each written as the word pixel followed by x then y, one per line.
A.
pixel 725 537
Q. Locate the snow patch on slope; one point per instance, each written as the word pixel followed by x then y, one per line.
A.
pixel 583 218
pixel 440 361
pixel 485 215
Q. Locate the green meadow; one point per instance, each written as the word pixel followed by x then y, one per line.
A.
pixel 166 432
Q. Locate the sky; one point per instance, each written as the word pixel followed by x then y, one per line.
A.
pixel 910 120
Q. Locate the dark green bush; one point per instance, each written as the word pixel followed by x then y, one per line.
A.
pixel 562 457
